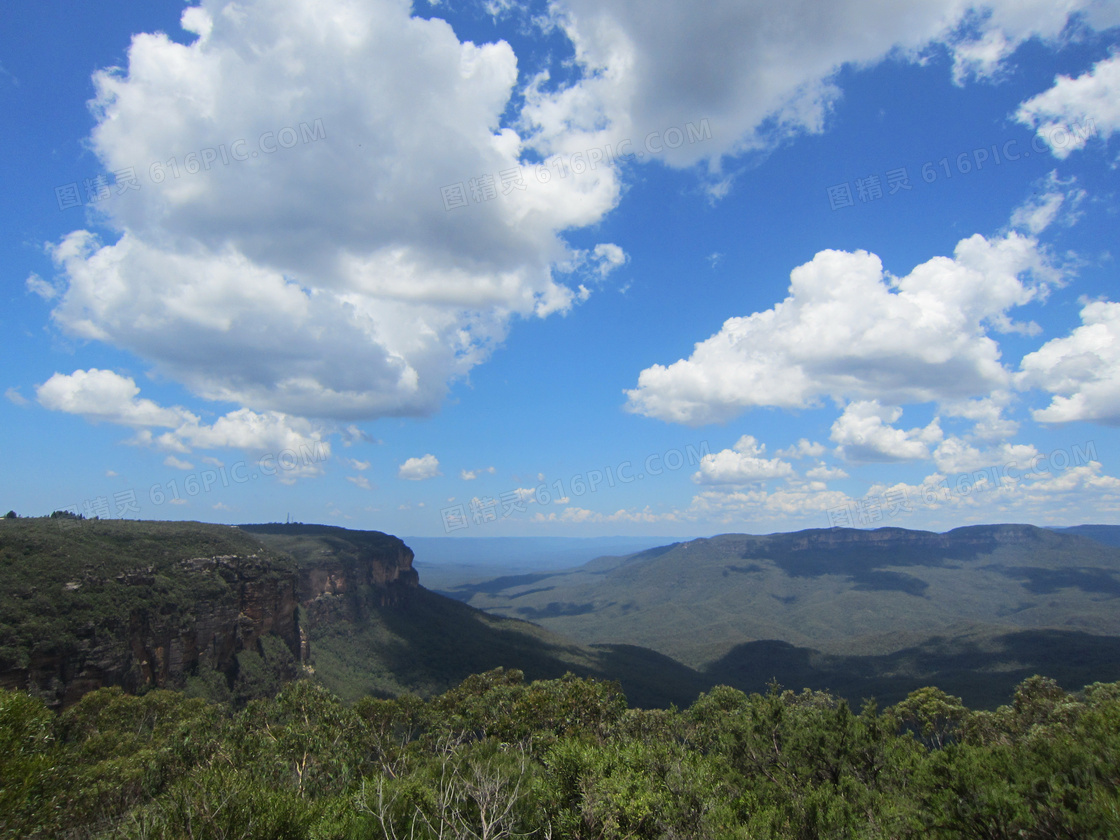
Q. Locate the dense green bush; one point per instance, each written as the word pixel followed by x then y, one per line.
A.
pixel 497 757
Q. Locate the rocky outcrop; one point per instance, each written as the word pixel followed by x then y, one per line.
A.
pixel 261 600
pixel 348 589
pixel 343 574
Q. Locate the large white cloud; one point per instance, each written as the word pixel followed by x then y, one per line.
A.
pixel 1081 370
pixel 1073 110
pixel 324 274
pixel 848 331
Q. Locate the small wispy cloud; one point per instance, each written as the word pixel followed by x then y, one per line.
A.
pixel 16 397
pixel 41 287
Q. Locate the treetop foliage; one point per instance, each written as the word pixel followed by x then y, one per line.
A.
pixel 499 757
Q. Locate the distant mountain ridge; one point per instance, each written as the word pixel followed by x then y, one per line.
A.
pixel 1107 534
pixel 841 591
pixel 447 563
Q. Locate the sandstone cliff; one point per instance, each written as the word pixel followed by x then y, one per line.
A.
pixel 343 574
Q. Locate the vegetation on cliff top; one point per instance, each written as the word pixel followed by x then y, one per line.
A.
pixel 312 544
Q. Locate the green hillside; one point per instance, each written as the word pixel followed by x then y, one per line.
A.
pixel 860 614
pixel 309 545
pixel 982 668
pixel 431 643
pixel 1107 534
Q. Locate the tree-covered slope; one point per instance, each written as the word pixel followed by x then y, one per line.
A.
pixel 229 613
pixel 428 643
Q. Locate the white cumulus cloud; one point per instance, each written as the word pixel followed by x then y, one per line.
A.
pixel 1074 110
pixel 317 247
pixel 106 396
pixel 986 414
pixel 864 433
pixel 804 448
pixel 742 464
pixel 1081 370
pixel 102 395
pixel 823 472
pixel 322 275
pixel 418 469
pixel 954 455
pixel 850 331
pixel 757 72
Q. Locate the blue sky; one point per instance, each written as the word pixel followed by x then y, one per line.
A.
pixel 580 268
